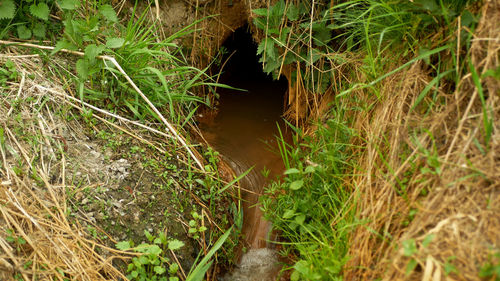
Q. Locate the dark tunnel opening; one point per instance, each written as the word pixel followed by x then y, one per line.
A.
pixel 242 69
pixel 242 59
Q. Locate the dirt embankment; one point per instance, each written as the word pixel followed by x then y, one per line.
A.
pixel 73 184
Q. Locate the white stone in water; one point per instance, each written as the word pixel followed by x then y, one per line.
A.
pixel 256 265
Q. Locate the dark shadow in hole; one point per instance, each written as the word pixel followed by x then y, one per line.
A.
pixel 243 70
pixel 243 60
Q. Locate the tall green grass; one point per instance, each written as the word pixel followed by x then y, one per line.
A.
pixel 154 62
pixel 313 207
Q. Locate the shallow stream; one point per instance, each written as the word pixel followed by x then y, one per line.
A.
pixel 244 132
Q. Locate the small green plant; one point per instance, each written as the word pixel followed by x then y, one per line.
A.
pixel 409 249
pixel 195 229
pixel 305 203
pixel 491 269
pixel 8 73
pixel 449 267
pixel 30 18
pixel 153 264
pixel 18 241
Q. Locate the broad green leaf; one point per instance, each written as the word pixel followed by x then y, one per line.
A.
pixel 271 65
pixel 148 235
pixel 114 43
pixel 270 49
pixel 296 185
pixel 260 23
pixel 288 214
pixel 39 30
pixel 429 5
pixel 260 12
pixel 23 32
pixel 409 247
pixel 63 44
pixel 192 223
pixel 82 68
pixel 293 12
pixel 449 267
pixel 40 11
pixel 143 260
pixel 322 34
pixel 69 4
pixel 277 10
pixel 108 13
pixel 316 55
pixel 291 171
pixel 300 219
pixel 309 169
pixel 159 270
pixel 155 250
pixel 7 9
pixel 92 51
pixel 124 245
pixel 302 266
pixel 295 276
pixel 173 268
pixel 428 240
pixel 149 249
pixel 261 47
pixel 411 266
pixel 175 245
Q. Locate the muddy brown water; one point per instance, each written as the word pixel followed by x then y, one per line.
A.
pixel 244 132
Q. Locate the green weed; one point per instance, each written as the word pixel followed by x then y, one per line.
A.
pixel 491 269
pixel 8 73
pixel 154 262
pixel 29 18
pixel 313 211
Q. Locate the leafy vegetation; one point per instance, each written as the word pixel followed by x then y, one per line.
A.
pixel 314 212
pixel 317 36
pixel 30 18
pixel 92 32
pixel 351 48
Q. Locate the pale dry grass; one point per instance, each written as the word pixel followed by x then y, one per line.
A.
pixel 423 176
pixel 37 240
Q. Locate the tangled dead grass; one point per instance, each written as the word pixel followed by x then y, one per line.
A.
pixel 37 241
pixel 429 186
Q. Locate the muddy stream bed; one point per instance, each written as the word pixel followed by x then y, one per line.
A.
pixel 244 132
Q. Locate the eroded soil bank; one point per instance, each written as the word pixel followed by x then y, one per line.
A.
pixel 90 183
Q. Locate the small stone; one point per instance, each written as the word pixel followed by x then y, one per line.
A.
pixel 137 216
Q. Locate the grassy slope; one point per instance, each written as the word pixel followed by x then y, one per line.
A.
pixel 405 169
pixel 97 177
